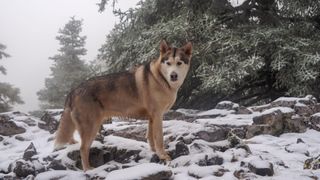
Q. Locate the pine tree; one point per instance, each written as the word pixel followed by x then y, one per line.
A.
pixel 68 69
pixel 9 95
pixel 250 54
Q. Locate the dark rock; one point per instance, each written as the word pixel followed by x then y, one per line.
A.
pixel 24 168
pixel 161 175
pixel 49 123
pixel 312 163
pixel 29 152
pixel 220 172
pixel 255 130
pixel 8 127
pixel 266 169
pixel 216 160
pixel 213 134
pixel 96 157
pixel 314 122
pixel 180 150
pixel 1 138
pixel 19 138
pixel 299 140
pixel 155 159
pixel 30 177
pixel 56 165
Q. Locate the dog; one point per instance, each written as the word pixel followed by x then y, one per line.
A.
pixel 145 92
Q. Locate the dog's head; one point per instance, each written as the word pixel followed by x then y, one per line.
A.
pixel 175 62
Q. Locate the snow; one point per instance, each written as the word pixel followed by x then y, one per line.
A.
pixel 137 172
pixel 282 109
pixel 280 151
pixel 215 112
pixel 236 3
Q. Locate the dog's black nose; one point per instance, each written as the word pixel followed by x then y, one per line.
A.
pixel 174 76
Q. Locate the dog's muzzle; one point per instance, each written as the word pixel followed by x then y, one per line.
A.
pixel 173 76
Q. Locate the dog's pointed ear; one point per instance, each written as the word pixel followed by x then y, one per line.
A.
pixel 163 46
pixel 188 48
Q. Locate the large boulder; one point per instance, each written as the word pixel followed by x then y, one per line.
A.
pixel 9 127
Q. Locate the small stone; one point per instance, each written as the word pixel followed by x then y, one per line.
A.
pixel 29 152
pixel 56 165
pixel 312 163
pixel 216 160
pixel 213 134
pixel 261 167
pixel 19 138
pixel 299 140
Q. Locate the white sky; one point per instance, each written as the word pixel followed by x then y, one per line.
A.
pixel 28 28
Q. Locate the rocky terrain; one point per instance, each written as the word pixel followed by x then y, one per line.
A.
pixel 280 140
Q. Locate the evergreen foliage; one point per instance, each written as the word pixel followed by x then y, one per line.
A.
pixel 250 53
pixel 68 69
pixel 9 95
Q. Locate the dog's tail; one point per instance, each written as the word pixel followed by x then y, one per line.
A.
pixel 65 130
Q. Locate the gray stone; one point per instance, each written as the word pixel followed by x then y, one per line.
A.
pixel 262 171
pixel 56 165
pixel 212 134
pixel 24 168
pixel 161 175
pixel 8 127
pixel 49 123
pixel 215 160
pixel 29 152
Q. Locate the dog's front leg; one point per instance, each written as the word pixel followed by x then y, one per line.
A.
pixel 150 136
pixel 158 139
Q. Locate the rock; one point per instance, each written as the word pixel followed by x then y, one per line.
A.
pixel 172 114
pixel 295 124
pixel 29 152
pixel 284 102
pixel 312 163
pixel 180 150
pixel 56 165
pixel 162 175
pixel 38 166
pixel 261 108
pixel 314 122
pixel 299 140
pixel 303 110
pixel 96 157
pixel 227 105
pixel 215 160
pixel 275 121
pixel 8 127
pixel 212 134
pixel 49 122
pixel 243 110
pixel 137 133
pixel 19 138
pixel 29 121
pixel 23 168
pixel 1 138
pixel 261 167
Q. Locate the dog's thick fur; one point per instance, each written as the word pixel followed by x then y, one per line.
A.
pixel 147 92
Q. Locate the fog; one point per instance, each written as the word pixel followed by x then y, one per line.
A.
pixel 28 28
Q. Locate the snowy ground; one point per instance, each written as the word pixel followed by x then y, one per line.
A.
pixel 286 155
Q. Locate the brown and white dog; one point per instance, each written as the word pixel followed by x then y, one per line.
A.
pixel 146 92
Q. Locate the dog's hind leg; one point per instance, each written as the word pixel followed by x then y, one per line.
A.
pixel 88 127
pixel 65 130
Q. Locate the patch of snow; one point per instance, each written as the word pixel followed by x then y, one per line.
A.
pixel 62 175
pixel 137 172
pixel 282 109
pixel 236 3
pixel 215 112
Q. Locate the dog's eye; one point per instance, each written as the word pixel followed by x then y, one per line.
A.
pixel 179 63
pixel 169 64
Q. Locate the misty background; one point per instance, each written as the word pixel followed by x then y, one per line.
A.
pixel 28 29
